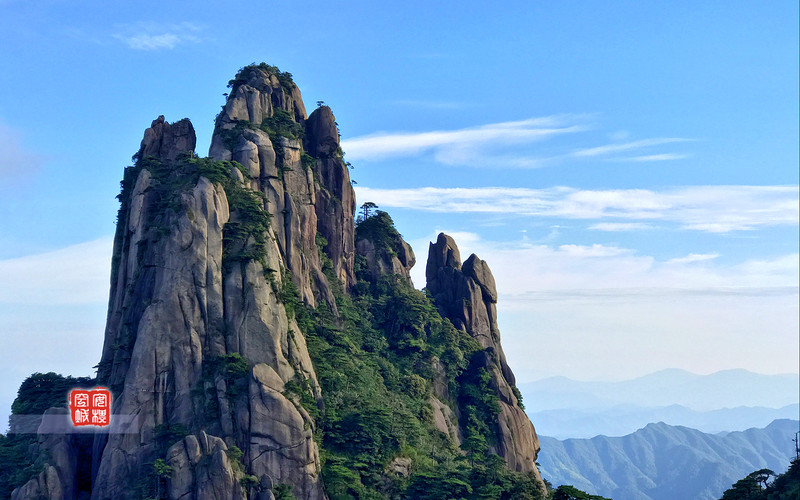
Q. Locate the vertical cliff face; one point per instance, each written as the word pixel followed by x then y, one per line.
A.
pixel 198 338
pixel 297 164
pixel 466 294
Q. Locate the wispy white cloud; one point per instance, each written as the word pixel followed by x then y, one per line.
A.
pixel 152 36
pixel 717 209
pixel 609 270
pixel 693 257
pixel 590 251
pixel 73 275
pixel 601 310
pixel 627 146
pixel 456 145
pixel 656 157
pixel 506 144
pixel 16 161
pixel 151 42
pixel 619 226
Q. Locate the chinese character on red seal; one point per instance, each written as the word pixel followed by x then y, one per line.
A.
pixel 90 406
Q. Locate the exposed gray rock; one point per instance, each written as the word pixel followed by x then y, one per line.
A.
pixel 202 469
pixel 281 442
pixel 467 296
pixel 400 466
pixel 167 141
pixel 478 270
pixel 68 450
pixel 198 343
pixel 445 420
pixel 176 310
pixel 306 194
pixel 322 136
pixel 442 255
pixel 381 262
pixel 336 201
pixel 47 485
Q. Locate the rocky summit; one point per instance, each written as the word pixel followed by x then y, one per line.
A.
pixel 466 295
pixel 262 344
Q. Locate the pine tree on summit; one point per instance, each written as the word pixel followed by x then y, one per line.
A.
pixel 366 211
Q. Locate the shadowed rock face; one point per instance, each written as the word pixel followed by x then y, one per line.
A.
pixel 335 203
pixel 466 295
pixel 166 141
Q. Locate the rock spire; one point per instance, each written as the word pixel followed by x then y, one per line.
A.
pixel 466 294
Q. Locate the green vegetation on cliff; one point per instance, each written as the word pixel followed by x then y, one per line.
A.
pixel 379 229
pixel 377 363
pixel 756 485
pixel 243 74
pixel 20 458
pixel 245 234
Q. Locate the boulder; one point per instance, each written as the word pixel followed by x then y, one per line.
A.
pixel 322 135
pixel 396 261
pixel 166 141
pixel 202 469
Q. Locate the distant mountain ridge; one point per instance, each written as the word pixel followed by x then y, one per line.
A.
pixel 730 400
pixel 625 419
pixel 723 389
pixel 664 462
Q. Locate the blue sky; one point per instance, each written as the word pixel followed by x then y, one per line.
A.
pixel 628 169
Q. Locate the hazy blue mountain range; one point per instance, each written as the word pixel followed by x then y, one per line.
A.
pixel 725 389
pixel 625 419
pixel 730 400
pixel 664 462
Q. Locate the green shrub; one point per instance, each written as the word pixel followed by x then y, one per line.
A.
pixel 283 492
pixel 285 78
pixel 244 237
pixel 307 161
pixel 281 124
pixel 41 391
pixel 379 228
pixel 167 435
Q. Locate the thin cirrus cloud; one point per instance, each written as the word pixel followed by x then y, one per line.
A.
pixel 715 209
pixel 619 226
pixel 151 36
pixel 694 257
pixel 631 146
pixel 73 275
pixel 657 157
pixel 450 143
pixel 488 145
pixel 613 271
